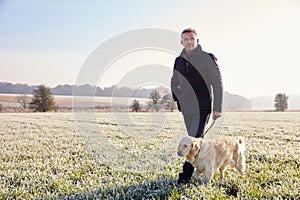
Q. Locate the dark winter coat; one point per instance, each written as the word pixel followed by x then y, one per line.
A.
pixel 196 82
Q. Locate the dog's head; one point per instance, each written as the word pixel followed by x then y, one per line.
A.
pixel 189 146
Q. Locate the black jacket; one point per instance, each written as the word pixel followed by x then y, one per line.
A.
pixel 196 82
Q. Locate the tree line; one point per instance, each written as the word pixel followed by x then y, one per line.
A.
pixel 155 103
pixel 43 101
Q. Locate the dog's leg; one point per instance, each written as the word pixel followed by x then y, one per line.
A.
pixel 226 163
pixel 222 169
pixel 241 160
pixel 241 163
pixel 208 175
pixel 241 166
pixel 197 174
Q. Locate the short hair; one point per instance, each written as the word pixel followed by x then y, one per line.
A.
pixel 189 30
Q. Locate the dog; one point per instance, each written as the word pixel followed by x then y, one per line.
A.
pixel 208 156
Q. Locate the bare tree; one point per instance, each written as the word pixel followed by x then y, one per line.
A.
pixel 154 100
pixel 135 106
pixel 42 100
pixel 154 96
pixel 281 103
pixel 23 100
pixel 167 102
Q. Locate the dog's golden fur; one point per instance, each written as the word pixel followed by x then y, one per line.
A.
pixel 208 157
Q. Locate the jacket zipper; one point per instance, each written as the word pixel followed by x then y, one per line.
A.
pixel 187 67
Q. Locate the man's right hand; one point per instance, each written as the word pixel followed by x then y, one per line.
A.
pixel 216 115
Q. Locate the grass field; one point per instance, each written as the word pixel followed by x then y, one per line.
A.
pixel 133 156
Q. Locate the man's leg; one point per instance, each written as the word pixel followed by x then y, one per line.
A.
pixel 187 169
pixel 186 174
pixel 204 118
pixel 195 125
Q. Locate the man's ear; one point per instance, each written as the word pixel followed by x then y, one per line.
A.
pixel 181 42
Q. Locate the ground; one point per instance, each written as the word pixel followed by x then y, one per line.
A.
pixel 133 156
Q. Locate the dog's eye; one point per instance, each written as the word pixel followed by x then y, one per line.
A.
pixel 185 145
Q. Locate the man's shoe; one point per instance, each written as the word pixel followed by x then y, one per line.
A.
pixel 181 183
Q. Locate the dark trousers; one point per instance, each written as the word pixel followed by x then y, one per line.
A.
pixel 195 125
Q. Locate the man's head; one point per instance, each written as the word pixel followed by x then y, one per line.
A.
pixel 189 39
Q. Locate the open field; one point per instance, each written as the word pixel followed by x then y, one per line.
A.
pixel 133 156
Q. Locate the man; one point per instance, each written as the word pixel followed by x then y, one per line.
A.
pixel 196 81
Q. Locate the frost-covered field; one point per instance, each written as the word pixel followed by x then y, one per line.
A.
pixel 133 156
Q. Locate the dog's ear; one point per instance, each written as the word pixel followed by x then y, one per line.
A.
pixel 195 146
pixel 200 142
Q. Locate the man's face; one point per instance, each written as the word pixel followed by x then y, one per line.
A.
pixel 189 41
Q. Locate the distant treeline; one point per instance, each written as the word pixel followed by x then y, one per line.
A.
pixel 231 101
pixel 82 90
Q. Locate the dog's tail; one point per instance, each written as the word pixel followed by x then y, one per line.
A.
pixel 241 161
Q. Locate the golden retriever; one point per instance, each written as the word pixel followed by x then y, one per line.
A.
pixel 208 157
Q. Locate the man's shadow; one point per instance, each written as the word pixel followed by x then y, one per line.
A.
pixel 161 188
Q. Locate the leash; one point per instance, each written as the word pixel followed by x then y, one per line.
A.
pixel 203 137
pixel 208 128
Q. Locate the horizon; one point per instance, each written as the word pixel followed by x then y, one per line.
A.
pixel 146 87
pixel 256 42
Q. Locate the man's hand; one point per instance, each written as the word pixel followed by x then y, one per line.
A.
pixel 216 115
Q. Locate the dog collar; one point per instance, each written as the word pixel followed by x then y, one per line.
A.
pixel 197 153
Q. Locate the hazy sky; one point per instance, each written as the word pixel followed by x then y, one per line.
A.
pixel 256 42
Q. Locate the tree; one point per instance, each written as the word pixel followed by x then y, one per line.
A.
pixel 23 100
pixel 1 107
pixel 154 96
pixel 281 103
pixel 154 100
pixel 42 100
pixel 135 106
pixel 167 102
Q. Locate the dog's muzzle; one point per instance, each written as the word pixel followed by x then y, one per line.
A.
pixel 179 153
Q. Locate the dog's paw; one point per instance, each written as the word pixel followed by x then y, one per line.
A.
pixel 196 176
pixel 204 181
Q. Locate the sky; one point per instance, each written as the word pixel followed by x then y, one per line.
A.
pixel 256 42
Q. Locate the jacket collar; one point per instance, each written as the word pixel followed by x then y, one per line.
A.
pixel 197 51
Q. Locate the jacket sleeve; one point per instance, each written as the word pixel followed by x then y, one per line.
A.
pixel 175 88
pixel 215 78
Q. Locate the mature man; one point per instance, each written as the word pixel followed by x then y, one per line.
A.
pixel 195 84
